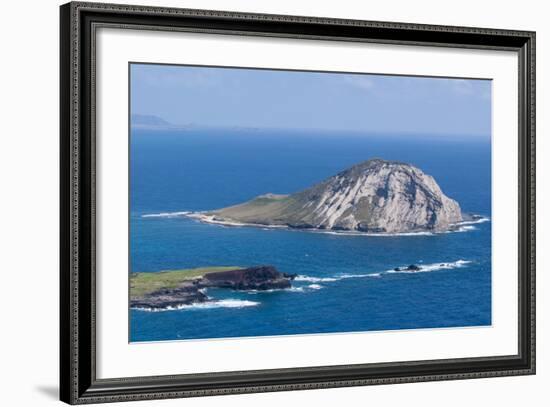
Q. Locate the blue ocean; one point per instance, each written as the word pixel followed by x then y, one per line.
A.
pixel 346 282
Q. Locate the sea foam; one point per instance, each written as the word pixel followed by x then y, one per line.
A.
pixel 166 214
pixel 338 277
pixel 473 222
pixel 426 268
pixel 228 303
pixel 315 279
pixel 294 289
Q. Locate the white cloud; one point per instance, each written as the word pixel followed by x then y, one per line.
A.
pixel 360 82
pixel 468 87
pixel 462 86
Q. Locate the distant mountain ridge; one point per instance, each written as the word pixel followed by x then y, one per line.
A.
pixel 375 196
pixel 146 120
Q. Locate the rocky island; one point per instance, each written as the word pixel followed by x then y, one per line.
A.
pixel 173 288
pixel 375 196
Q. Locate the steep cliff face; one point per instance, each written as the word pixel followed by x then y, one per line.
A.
pixel 252 278
pixel 374 196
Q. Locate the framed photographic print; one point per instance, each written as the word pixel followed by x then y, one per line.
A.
pixel 256 203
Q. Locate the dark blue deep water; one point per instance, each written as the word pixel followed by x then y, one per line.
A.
pixel 346 287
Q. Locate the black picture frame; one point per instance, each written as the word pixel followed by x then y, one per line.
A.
pixel 78 381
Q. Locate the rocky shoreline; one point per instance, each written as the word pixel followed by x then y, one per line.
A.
pixel 192 291
pixel 467 219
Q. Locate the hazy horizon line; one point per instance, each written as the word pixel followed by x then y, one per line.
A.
pixel 249 128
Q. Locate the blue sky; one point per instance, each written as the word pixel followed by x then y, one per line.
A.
pixel 224 97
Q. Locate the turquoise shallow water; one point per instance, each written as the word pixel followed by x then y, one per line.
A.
pixel 345 285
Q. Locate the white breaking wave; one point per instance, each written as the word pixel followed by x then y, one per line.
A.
pixel 229 303
pixel 467 225
pixel 212 220
pixel 461 229
pixel 315 279
pixel 344 276
pixel 369 234
pixel 295 289
pixel 425 268
pixel 332 279
pixel 473 222
pixel 466 228
pixel 165 214
pixel 300 289
pixel 273 290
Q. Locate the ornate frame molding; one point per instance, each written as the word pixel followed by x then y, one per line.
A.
pixel 79 21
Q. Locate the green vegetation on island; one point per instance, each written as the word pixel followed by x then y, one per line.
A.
pixel 146 282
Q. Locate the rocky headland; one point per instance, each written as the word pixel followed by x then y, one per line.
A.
pixel 175 288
